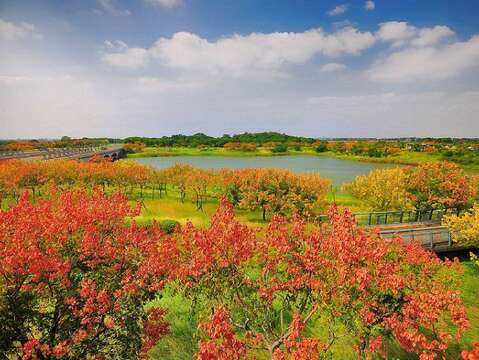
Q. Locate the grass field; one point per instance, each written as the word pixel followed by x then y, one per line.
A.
pixel 169 207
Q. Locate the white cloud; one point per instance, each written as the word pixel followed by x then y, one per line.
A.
pixel 431 36
pixel 338 10
pixel 10 31
pixel 354 100
pixel 165 3
pixel 109 6
pixel 396 32
pixel 106 5
pixel 131 58
pixel 116 45
pixel 242 54
pixel 400 33
pixel 156 84
pixel 343 23
pixel 9 80
pixel 332 67
pixel 428 63
pixel 369 5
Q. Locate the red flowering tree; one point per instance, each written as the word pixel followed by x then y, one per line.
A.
pixel 75 278
pixel 439 184
pixel 276 190
pixel 271 291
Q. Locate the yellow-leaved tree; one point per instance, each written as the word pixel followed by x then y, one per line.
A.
pixel 381 189
pixel 464 228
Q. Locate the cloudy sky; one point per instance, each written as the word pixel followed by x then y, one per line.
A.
pixel 317 68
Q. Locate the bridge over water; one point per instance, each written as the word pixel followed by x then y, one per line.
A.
pixel 115 152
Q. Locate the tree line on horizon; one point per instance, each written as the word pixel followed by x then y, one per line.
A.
pixel 197 139
pixel 203 139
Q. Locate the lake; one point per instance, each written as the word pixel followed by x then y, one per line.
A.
pixel 339 171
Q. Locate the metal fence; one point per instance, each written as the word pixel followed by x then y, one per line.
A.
pixel 401 216
pixel 430 237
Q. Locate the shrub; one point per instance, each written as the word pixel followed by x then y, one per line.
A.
pixel 133 147
pixel 240 146
pixel 168 225
pixel 280 148
pixel 465 228
pixel 374 152
pixel 322 147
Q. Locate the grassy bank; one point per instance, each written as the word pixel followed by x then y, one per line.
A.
pixel 213 151
pixel 406 158
pixel 186 151
pixel 403 158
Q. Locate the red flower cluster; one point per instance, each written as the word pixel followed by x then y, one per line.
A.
pixel 339 275
pixel 441 183
pixel 223 343
pixel 78 276
pixel 472 354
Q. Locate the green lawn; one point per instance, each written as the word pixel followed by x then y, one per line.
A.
pixel 169 207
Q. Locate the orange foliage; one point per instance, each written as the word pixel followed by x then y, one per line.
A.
pixel 240 146
pixel 439 184
pixel 133 147
pixel 277 191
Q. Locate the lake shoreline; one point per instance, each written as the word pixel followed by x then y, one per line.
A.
pixel 245 154
pixel 340 171
pixel 413 161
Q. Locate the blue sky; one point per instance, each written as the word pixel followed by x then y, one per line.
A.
pixel 315 68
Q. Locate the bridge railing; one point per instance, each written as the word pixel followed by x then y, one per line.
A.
pixel 401 216
pixel 49 153
pixel 430 237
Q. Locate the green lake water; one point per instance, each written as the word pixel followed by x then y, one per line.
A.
pixel 339 171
